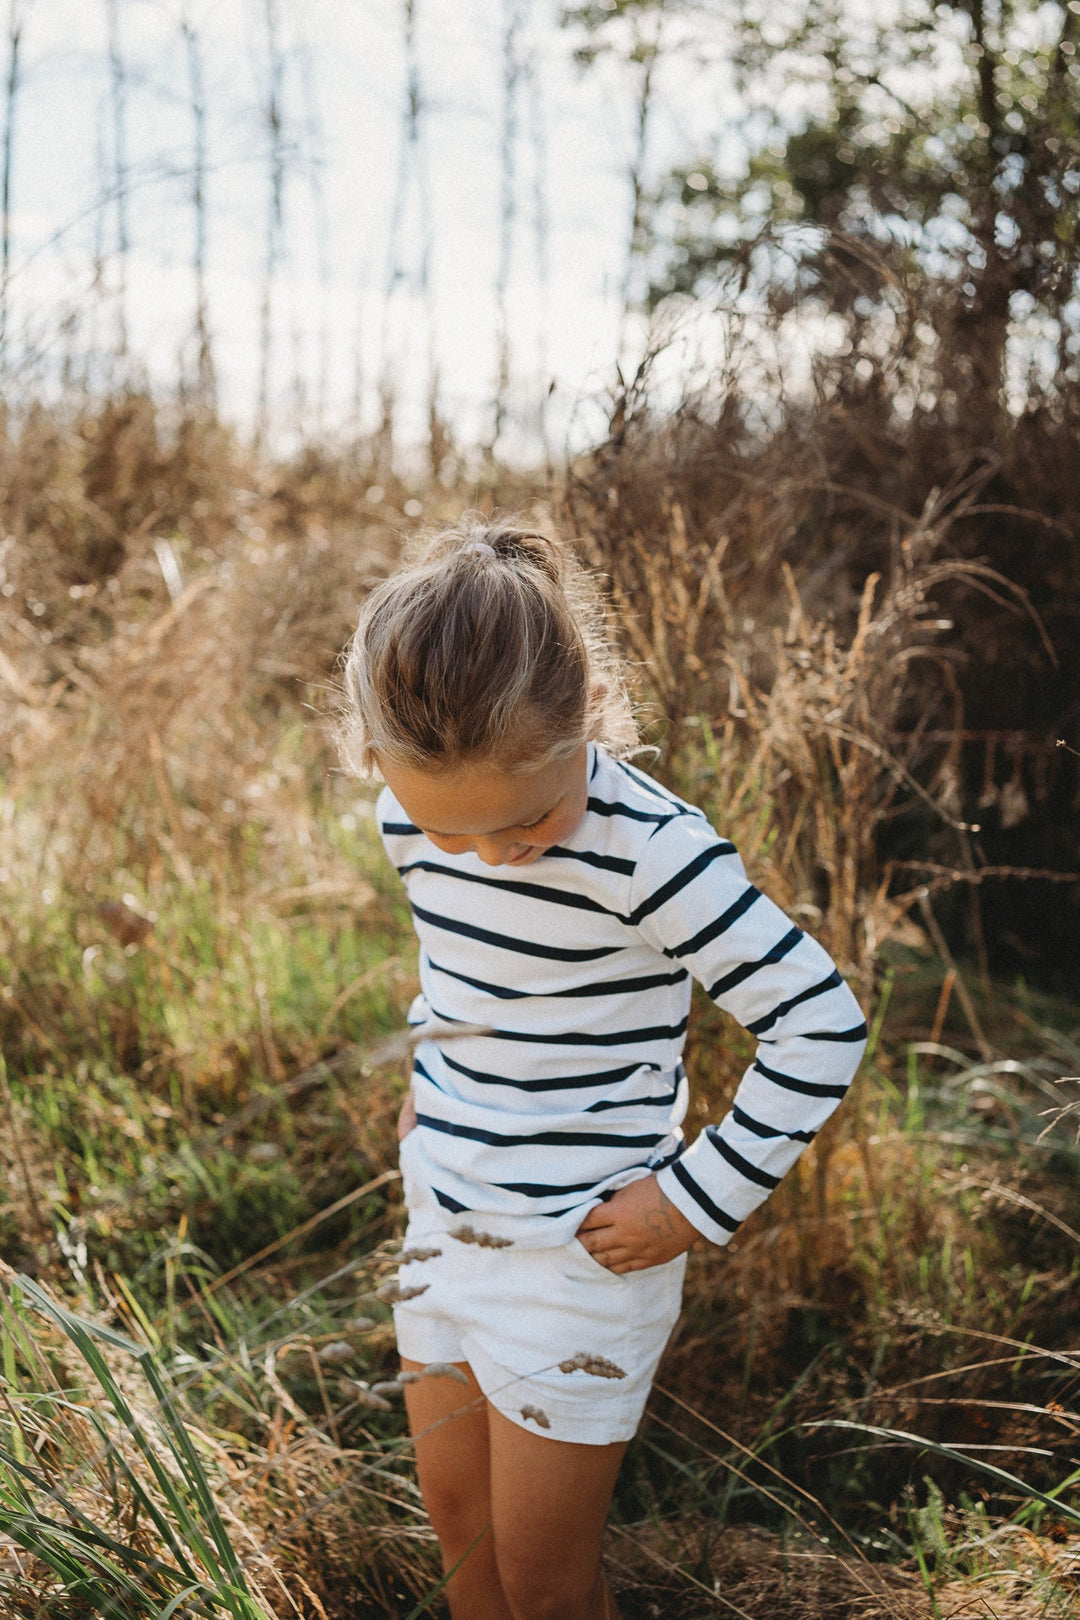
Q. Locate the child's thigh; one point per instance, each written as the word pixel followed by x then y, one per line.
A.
pixel 549 1503
pixel 449 1425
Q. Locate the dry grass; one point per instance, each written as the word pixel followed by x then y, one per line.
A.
pixel 200 946
pixel 795 640
pixel 753 1573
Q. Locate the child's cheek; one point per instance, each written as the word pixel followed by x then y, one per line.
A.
pixel 558 831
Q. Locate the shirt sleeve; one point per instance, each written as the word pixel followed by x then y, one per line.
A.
pixel 692 901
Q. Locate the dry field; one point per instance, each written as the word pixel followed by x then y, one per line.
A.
pixel 869 1407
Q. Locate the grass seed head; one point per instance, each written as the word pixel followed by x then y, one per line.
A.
pixel 332 1355
pixel 366 1397
pixel 444 1369
pixel 413 1256
pixel 483 1240
pixel 392 1292
pixel 599 1366
pixel 535 1415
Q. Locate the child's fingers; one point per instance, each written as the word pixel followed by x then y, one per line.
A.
pixel 624 1259
pixel 596 1220
pixel 616 1250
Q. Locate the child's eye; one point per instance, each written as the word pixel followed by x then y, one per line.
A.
pixel 531 826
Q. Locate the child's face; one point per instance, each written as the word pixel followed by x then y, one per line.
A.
pixel 507 820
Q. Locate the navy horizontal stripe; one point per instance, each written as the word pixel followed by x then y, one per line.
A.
pixel 604 987
pixel 601 807
pixel 654 789
pixel 859 1033
pixel 399 829
pixel 476 1133
pixel 504 942
pixel 450 1203
pixel 531 891
pixel 604 1104
pixel 537 1189
pixel 781 1010
pixel 748 1123
pixel 456 1208
pixel 578 1082
pixel 577 1037
pixel 604 863
pixel 751 1172
pixel 738 975
pixel 718 925
pixel 806 1088
pixel 702 1199
pixel 419 1069
pixel 668 890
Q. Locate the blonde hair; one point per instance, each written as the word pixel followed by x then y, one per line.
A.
pixel 489 645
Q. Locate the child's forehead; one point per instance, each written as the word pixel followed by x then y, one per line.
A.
pixel 482 797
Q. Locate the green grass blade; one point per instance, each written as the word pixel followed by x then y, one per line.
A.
pixel 217 1553
pixel 195 1474
pixel 67 1552
pixel 112 1452
pixel 425 1603
pixel 1023 1514
pixel 174 1603
pixel 30 1514
pixel 79 1332
pixel 954 1454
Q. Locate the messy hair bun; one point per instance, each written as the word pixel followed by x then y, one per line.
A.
pixel 489 645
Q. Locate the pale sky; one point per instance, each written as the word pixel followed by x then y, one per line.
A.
pixel 343 91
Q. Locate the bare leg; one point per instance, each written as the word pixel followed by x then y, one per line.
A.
pixel 543 1504
pixel 549 1501
pixel 450 1426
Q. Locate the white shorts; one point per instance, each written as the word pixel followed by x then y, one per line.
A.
pixel 515 1314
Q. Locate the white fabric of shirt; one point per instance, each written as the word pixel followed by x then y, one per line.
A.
pixel 578 969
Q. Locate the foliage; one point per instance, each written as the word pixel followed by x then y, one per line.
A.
pixel 941 139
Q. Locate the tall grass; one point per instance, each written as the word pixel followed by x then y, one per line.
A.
pixel 198 1566
pixel 204 963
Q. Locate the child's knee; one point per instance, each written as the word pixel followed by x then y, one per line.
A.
pixel 560 1584
pixel 457 1507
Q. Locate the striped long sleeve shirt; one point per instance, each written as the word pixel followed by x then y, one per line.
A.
pixel 577 970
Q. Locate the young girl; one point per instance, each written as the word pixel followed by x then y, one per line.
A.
pixel 563 900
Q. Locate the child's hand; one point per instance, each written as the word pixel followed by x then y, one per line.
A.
pixel 406 1120
pixel 636 1228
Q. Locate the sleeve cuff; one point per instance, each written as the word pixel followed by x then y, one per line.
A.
pixel 714 1223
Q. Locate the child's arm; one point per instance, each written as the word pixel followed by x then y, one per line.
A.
pixel 406 1120
pixel 692 901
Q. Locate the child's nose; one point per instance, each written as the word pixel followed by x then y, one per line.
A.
pixel 494 850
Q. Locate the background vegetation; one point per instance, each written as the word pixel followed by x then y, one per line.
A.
pixel 842 561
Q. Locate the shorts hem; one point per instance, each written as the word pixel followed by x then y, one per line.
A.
pixel 535 1404
pixel 427 1338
